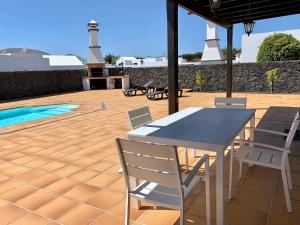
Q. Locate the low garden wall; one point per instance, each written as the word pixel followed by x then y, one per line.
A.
pixel 247 77
pixel 33 83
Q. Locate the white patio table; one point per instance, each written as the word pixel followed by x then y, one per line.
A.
pixel 208 129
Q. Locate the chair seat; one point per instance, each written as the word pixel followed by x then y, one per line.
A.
pixel 162 195
pixel 260 156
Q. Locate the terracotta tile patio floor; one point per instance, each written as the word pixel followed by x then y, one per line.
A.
pixel 63 170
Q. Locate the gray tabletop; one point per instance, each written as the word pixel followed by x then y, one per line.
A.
pixel 196 127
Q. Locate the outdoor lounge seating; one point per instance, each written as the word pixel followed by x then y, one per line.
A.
pixel 163 184
pixel 143 89
pixel 158 93
pixel 142 116
pixel 271 156
pixel 232 103
pixel 139 117
pixel 180 91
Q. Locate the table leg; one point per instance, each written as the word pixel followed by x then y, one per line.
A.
pixel 136 203
pixel 220 187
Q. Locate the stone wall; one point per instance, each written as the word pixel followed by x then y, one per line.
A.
pixel 248 77
pixel 33 83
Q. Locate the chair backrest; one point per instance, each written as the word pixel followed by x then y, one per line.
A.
pixel 139 117
pixel 151 162
pixel 233 103
pixel 148 83
pixel 292 131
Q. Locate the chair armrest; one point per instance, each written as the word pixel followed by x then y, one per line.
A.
pixel 268 131
pixel 194 171
pixel 264 145
pixel 271 132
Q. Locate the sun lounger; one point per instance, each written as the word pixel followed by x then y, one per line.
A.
pixel 143 89
pixel 180 91
pixel 157 94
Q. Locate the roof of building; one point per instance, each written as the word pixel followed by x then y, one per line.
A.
pixel 63 60
pixel 127 58
pixel 83 60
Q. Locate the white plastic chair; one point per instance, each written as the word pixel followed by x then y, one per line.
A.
pixel 138 118
pixel 163 184
pixel 271 156
pixel 232 103
pixel 141 117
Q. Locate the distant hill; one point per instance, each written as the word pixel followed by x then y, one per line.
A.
pixel 31 52
pixel 22 51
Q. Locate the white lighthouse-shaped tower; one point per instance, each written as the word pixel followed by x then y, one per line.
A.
pixel 96 62
pixel 212 50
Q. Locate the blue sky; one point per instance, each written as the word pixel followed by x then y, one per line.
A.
pixel 127 27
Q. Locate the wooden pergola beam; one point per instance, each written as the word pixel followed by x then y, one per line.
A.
pixel 230 12
pixel 229 76
pixel 238 11
pixel 245 10
pixel 172 26
pixel 262 13
pixel 206 14
pixel 270 15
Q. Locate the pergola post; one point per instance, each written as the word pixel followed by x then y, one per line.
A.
pixel 172 16
pixel 229 76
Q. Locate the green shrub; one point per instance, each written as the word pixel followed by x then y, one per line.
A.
pixel 111 59
pixel 279 47
pixel 199 80
pixel 272 77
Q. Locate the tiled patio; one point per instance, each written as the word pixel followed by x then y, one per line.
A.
pixel 63 170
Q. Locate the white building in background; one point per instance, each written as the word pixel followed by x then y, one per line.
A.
pixel 127 61
pixel 23 59
pixel 212 50
pixel 145 62
pixel 250 44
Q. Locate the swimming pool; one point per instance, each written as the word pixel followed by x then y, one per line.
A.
pixel 15 116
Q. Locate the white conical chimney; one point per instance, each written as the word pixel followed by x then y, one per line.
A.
pixel 95 56
pixel 212 49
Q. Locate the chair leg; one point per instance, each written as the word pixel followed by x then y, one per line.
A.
pixel 127 213
pixel 240 169
pixel 288 174
pixel 194 153
pixel 230 171
pixel 242 134
pixel 182 215
pixel 187 159
pixel 207 193
pixel 286 190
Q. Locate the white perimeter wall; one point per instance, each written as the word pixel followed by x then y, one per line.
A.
pixel 17 63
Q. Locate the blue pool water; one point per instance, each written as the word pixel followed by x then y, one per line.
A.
pixel 14 116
